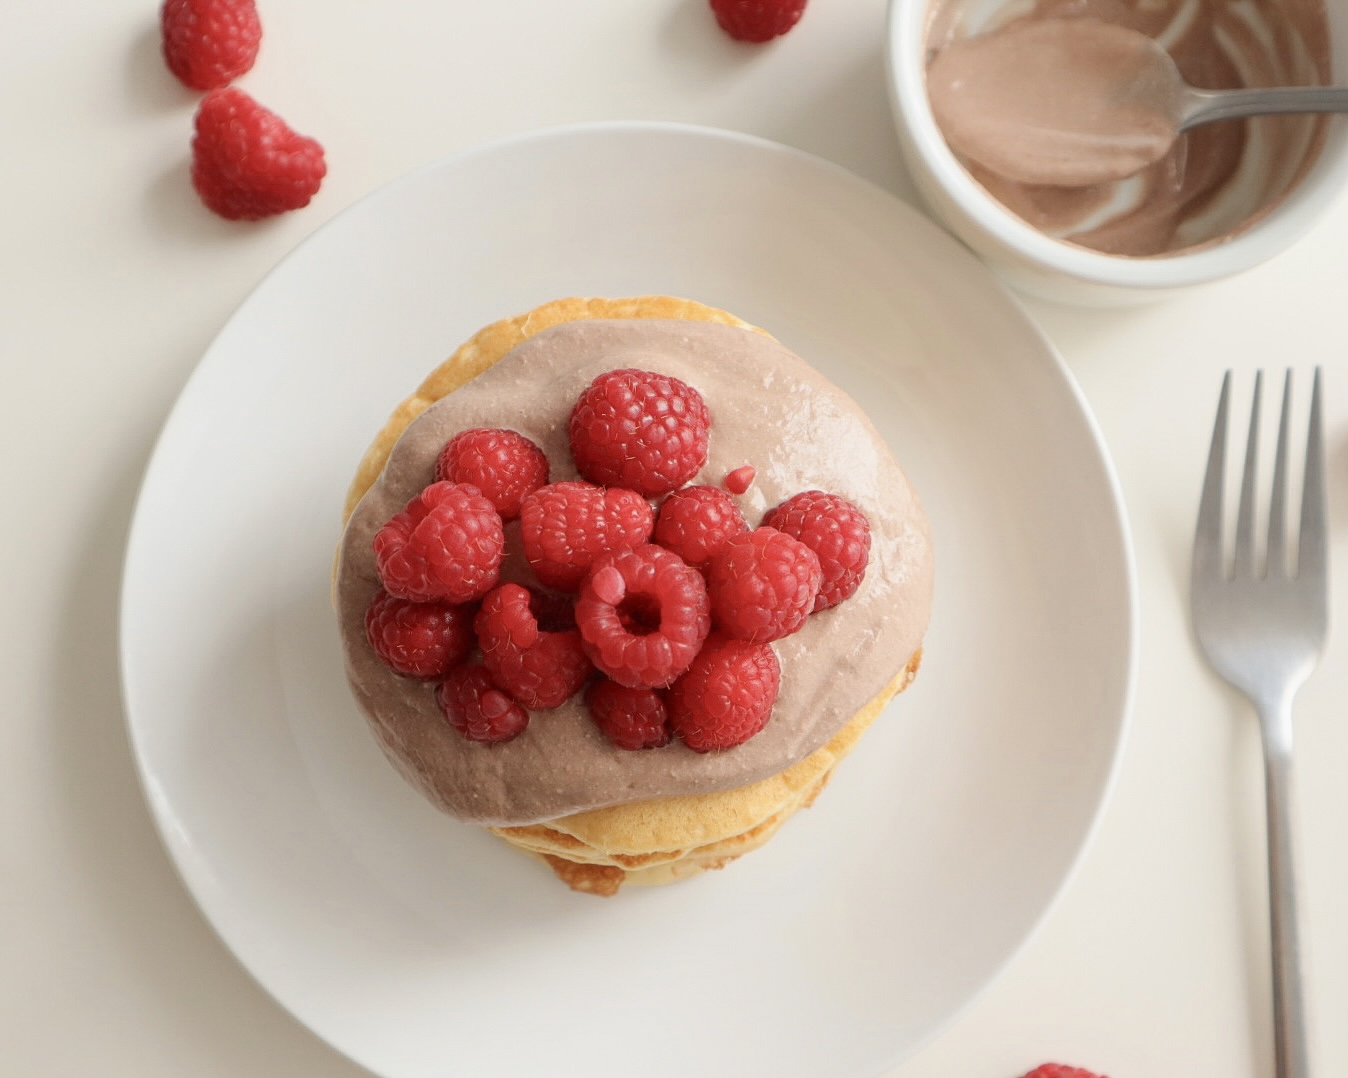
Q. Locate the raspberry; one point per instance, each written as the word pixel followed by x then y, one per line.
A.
pixel 539 669
pixel 420 640
pixel 727 694
pixel 477 708
pixel 763 585
pixel 447 544
pixel 209 43
pixel 695 523
pixel 643 614
pixel 632 719
pixel 757 20
pixel 1058 1070
pixel 564 527
pixel 247 163
pixel 503 464
pixel 741 479
pixel 646 432
pixel 834 529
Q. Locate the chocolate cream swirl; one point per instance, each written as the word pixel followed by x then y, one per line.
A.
pixel 769 409
pixel 1218 179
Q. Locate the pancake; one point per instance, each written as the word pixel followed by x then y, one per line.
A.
pixel 621 819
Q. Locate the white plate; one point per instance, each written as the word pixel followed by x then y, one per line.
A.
pixel 418 946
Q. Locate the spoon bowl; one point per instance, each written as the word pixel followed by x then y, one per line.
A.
pixel 1075 102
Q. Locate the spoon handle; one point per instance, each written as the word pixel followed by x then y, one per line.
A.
pixel 1204 106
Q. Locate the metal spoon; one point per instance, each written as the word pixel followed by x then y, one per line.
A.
pixel 1077 101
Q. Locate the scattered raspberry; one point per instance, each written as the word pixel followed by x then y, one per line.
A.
pixel 564 527
pixel 643 614
pixel 447 544
pixel 209 43
pixel 727 694
pixel 834 529
pixel 695 523
pixel 420 640
pixel 741 479
pixel 247 163
pixel 477 708
pixel 630 718
pixel 757 20
pixel 503 464
pixel 1057 1070
pixel 763 585
pixel 539 669
pixel 646 432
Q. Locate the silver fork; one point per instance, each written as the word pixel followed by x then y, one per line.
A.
pixel 1262 623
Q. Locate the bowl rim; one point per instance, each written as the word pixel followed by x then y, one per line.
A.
pixel 905 35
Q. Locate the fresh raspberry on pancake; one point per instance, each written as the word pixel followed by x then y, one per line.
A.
pixel 837 531
pixel 632 719
pixel 477 708
pixel 643 614
pixel 564 527
pixel 539 669
pixel 209 43
pixel 695 523
pixel 247 163
pixel 757 20
pixel 503 464
pixel 1058 1070
pixel 447 544
pixel 419 640
pixel 740 479
pixel 763 585
pixel 726 696
pixel 640 430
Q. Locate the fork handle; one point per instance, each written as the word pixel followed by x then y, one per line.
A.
pixel 1289 1026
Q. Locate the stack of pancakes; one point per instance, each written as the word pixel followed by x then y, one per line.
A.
pixel 644 841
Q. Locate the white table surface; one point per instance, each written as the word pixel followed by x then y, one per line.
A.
pixel 113 280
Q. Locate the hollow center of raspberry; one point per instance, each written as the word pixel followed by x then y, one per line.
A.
pixel 639 614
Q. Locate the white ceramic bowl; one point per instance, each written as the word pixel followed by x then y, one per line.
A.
pixel 1042 266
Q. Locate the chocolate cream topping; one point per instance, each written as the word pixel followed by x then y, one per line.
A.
pixel 1218 179
pixel 769 409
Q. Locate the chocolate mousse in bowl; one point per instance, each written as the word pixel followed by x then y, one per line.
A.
pixel 1223 198
pixel 623 581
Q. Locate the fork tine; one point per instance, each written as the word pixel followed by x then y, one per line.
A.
pixel 1243 563
pixel 1313 555
pixel 1208 562
pixel 1277 509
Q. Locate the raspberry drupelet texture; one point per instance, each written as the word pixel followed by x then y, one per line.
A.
pixel 726 696
pixel 643 614
pixel 209 43
pixel 631 719
pixel 539 669
pixel 503 464
pixel 247 163
pixel 695 523
pixel 763 585
pixel 477 708
pixel 419 640
pixel 1058 1070
pixel 757 20
pixel 837 531
pixel 643 431
pixel 447 544
pixel 564 527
